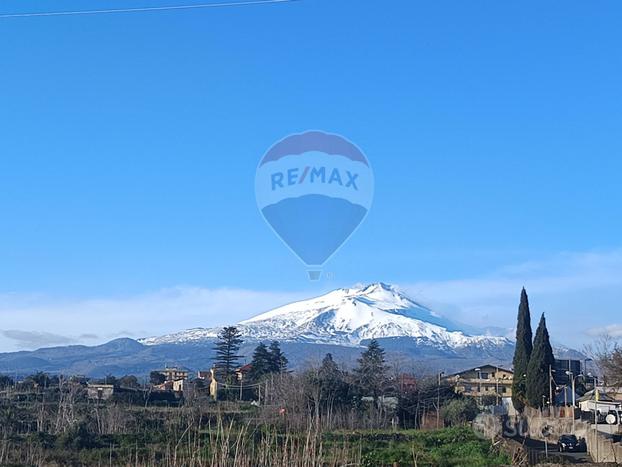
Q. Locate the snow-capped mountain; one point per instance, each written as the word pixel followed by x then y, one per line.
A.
pixel 340 323
pixel 347 317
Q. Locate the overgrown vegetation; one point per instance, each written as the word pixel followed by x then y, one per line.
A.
pixel 224 434
pixel 322 415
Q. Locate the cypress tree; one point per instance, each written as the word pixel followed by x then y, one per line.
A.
pixel 227 348
pixel 538 370
pixel 522 353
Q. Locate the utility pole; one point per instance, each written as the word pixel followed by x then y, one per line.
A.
pixel 241 383
pixel 596 427
pixel 550 388
pixel 438 400
pixel 566 395
pixel 546 447
pixel 573 378
pixel 546 433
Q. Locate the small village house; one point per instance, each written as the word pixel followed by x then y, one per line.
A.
pixel 407 383
pixel 176 380
pixel 242 371
pixel 174 374
pixel 100 392
pixel 600 401
pixel 483 381
pixel 204 375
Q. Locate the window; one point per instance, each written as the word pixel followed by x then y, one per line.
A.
pixel 484 375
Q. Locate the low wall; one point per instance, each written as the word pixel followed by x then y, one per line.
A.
pixel 603 448
pixel 532 424
pixel 488 425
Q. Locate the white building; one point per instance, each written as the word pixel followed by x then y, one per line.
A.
pixel 600 402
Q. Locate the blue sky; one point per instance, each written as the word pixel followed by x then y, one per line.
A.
pixel 129 144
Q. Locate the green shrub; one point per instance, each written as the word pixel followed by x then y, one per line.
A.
pixel 460 411
pixel 77 438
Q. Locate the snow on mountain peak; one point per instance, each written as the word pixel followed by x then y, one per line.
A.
pixel 346 317
pixel 378 295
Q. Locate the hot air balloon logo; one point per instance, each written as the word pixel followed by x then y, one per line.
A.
pixel 314 189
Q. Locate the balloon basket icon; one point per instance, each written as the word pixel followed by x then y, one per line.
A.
pixel 314 275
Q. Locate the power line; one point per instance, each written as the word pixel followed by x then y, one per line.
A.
pixel 144 9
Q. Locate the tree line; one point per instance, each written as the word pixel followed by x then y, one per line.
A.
pixel 265 360
pixel 370 374
pixel 369 394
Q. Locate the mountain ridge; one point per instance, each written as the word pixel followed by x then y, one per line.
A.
pixel 347 316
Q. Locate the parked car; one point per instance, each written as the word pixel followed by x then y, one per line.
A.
pixel 570 443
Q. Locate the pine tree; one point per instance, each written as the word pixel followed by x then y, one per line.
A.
pixel 227 348
pixel 539 365
pixel 278 360
pixel 329 375
pixel 522 353
pixel 326 388
pixel 329 367
pixel 371 371
pixel 262 363
pixel 333 387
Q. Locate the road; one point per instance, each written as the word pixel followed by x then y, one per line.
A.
pixel 537 450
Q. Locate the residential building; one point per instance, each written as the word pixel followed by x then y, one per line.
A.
pixel 180 385
pixel 100 391
pixel 560 369
pixel 242 371
pixel 174 374
pixel 407 383
pixel 615 392
pixel 599 400
pixel 483 380
pixel 204 374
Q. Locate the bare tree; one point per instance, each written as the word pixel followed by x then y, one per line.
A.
pixel 607 354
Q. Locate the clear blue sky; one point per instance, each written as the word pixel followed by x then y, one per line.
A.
pixel 129 142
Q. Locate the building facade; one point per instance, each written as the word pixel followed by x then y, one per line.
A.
pixel 174 374
pixel 487 380
pixel 562 368
pixel 101 392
